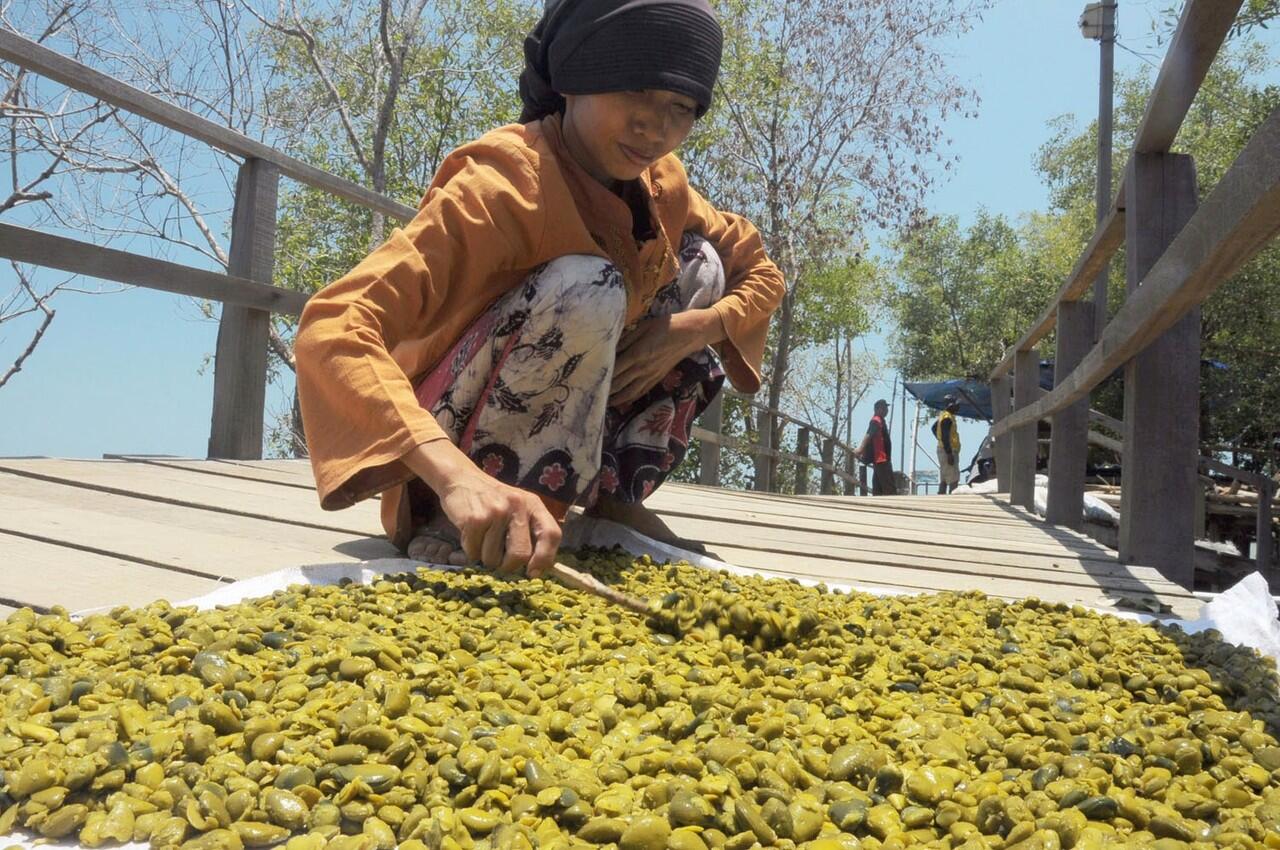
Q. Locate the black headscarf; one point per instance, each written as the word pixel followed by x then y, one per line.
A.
pixel 597 46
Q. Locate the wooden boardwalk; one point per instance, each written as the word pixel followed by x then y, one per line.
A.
pixel 91 533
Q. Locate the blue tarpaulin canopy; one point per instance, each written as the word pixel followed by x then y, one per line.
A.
pixel 975 397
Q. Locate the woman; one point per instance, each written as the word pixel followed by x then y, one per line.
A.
pixel 560 310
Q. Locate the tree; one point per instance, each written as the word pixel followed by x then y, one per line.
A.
pixel 828 122
pixel 962 296
pixel 378 95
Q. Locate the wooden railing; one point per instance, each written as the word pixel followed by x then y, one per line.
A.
pixel 245 291
pixel 710 433
pixel 1178 251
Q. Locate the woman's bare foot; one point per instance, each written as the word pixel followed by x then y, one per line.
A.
pixel 637 517
pixel 436 542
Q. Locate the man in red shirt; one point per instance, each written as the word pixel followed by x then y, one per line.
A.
pixel 875 450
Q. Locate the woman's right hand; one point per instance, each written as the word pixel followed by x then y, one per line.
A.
pixel 505 528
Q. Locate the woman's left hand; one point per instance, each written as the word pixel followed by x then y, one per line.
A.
pixel 649 351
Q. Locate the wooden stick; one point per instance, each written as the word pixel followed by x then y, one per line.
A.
pixel 570 577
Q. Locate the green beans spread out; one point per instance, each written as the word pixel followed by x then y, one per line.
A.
pixel 458 710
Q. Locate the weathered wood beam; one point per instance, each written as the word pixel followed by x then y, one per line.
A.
pixel 1202 29
pixel 1023 445
pixel 1238 219
pixel 1001 450
pixel 1106 240
pixel 1161 383
pixel 1069 445
pixel 49 63
pixel 711 422
pixel 240 358
pixel 71 255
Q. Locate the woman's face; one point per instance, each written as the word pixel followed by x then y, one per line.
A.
pixel 618 135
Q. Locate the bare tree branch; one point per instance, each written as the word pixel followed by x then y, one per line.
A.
pixel 39 302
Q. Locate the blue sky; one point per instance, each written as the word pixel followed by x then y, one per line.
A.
pixel 125 373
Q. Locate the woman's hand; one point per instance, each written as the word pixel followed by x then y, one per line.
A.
pixel 649 351
pixel 505 528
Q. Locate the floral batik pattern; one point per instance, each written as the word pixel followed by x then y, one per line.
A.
pixel 524 392
pixel 648 438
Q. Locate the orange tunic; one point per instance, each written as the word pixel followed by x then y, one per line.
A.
pixel 497 208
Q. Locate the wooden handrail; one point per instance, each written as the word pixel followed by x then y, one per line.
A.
pixel 49 63
pixel 840 444
pixel 70 255
pixel 1253 479
pixel 1239 217
pixel 1106 240
pixel 1202 29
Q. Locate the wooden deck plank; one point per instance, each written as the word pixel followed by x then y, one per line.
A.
pixel 235 496
pixel 248 471
pixel 957 507
pixel 210 543
pixel 979 508
pixel 925 579
pixel 902 520
pixel 43 575
pixel 981 563
pixel 859 526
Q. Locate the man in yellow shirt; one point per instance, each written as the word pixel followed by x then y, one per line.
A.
pixel 948 446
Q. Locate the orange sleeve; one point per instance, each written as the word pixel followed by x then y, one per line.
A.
pixel 753 288
pixel 481 216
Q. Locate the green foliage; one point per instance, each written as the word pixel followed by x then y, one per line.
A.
pixel 458 81
pixel 961 296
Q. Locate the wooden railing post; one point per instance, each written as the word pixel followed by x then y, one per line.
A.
pixel 708 452
pixel 851 466
pixel 862 480
pixel 1161 384
pixel 1263 549
pixel 827 484
pixel 1023 445
pixel 1069 445
pixel 1001 406
pixel 764 464
pixel 240 364
pixel 802 469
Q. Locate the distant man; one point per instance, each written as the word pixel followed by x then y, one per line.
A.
pixel 875 450
pixel 948 446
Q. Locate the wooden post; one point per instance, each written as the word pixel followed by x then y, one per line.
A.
pixel 240 361
pixel 1161 384
pixel 1202 510
pixel 1001 406
pixel 709 452
pixel 1263 553
pixel 764 436
pixel 827 485
pixel 1023 447
pixel 1069 446
pixel 802 468
pixel 851 467
pixel 862 479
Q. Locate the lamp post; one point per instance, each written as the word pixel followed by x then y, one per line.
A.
pixel 1098 22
